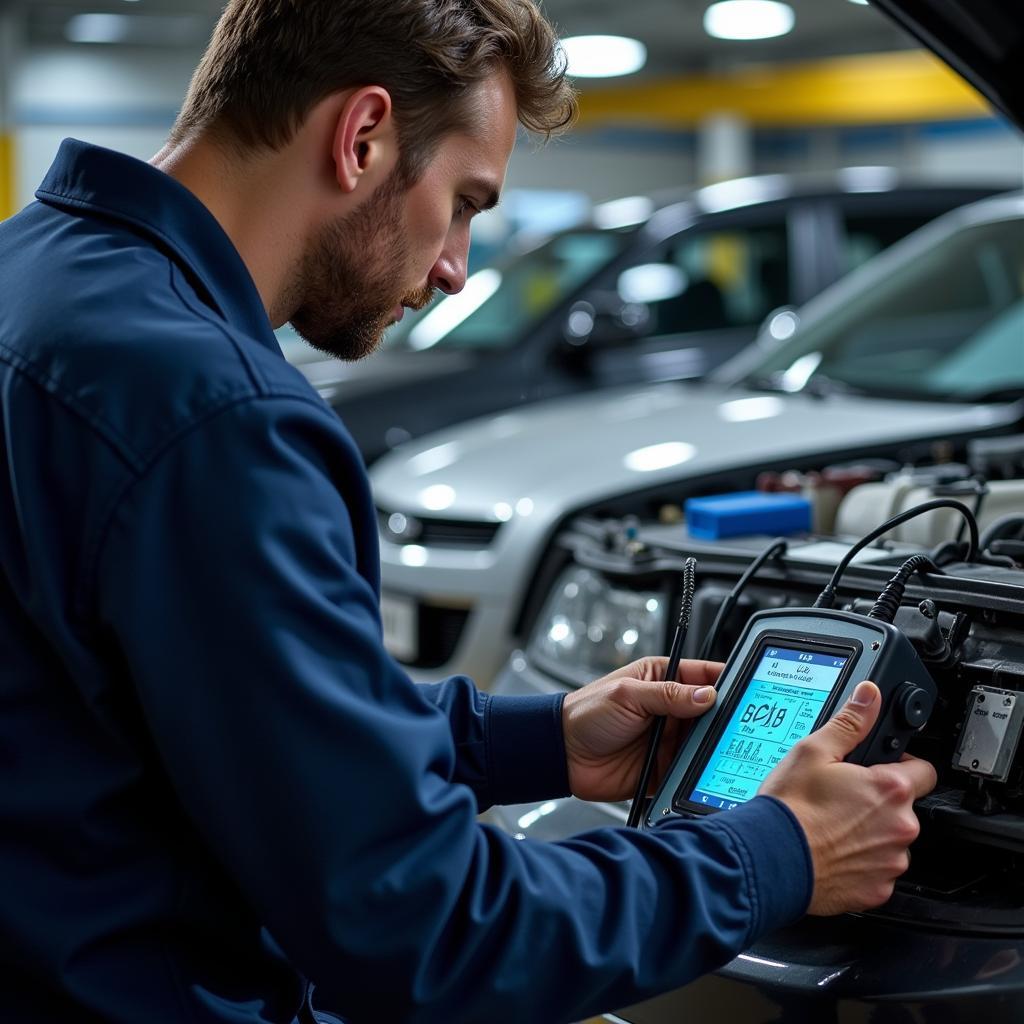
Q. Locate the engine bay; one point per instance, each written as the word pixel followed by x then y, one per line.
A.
pixel 613 590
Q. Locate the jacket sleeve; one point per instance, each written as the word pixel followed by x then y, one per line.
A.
pixel 508 749
pixel 326 782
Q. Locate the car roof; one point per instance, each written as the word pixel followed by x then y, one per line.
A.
pixel 542 454
pixel 666 211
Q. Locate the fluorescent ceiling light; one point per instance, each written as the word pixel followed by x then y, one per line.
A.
pixel 603 56
pixel 748 19
pixel 863 3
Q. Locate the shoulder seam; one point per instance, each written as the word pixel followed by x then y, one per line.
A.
pixel 127 451
pixel 93 420
pixel 205 315
pixel 86 588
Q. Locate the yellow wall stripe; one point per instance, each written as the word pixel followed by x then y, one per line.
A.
pixel 883 88
pixel 6 175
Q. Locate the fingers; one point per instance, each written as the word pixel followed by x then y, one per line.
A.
pixel 691 672
pixel 677 700
pixel 844 730
pixel 919 775
pixel 653 668
pixel 699 673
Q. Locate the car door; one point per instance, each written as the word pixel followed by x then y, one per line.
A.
pixel 694 301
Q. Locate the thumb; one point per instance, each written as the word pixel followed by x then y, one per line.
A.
pixel 841 733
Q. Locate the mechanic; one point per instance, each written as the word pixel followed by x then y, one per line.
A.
pixel 218 790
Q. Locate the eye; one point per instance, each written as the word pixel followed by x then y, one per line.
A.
pixel 466 206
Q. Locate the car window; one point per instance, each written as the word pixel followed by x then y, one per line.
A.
pixel 711 280
pixel 867 235
pixel 499 304
pixel 947 323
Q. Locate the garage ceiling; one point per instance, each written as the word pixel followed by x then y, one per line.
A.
pixel 671 29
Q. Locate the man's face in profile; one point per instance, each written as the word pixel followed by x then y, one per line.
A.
pixel 406 241
pixel 356 276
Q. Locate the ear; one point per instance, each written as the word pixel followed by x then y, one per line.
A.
pixel 365 143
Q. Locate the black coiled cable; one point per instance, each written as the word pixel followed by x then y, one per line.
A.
pixel 671 672
pixel 888 602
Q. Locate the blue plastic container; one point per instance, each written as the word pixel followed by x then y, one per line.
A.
pixel 746 512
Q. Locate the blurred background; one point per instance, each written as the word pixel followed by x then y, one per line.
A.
pixel 835 85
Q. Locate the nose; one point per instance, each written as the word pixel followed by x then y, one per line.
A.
pixel 448 274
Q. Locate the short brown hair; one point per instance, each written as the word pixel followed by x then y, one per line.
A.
pixel 271 61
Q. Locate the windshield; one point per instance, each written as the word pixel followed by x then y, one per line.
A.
pixel 499 304
pixel 948 323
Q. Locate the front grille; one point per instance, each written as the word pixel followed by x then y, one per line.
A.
pixel 440 533
pixel 439 632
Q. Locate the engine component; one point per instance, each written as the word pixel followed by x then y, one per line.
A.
pixel 991 732
pixel 868 505
pixel 997 457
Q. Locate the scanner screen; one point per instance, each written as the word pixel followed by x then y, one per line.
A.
pixel 780 702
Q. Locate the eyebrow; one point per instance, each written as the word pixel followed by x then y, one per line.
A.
pixel 483 187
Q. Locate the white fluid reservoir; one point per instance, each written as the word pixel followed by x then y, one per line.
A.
pixel 869 505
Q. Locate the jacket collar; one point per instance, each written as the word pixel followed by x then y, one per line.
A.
pixel 86 177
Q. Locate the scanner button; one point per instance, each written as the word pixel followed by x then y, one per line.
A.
pixel 913 705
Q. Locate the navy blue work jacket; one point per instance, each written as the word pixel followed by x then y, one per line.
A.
pixel 215 785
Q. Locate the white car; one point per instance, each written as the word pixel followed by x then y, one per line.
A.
pixel 923 344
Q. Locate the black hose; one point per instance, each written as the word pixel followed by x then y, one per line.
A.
pixel 827 598
pixel 776 549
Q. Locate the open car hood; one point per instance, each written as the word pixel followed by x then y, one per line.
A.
pixel 982 40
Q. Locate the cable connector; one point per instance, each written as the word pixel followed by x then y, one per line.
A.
pixel 891 597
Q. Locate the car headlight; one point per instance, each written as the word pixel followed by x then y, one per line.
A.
pixel 588 626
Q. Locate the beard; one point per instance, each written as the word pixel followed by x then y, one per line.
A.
pixel 346 285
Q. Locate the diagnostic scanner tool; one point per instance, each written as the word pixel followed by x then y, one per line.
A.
pixel 790 672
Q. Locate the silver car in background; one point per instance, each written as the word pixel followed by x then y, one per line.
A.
pixel 922 343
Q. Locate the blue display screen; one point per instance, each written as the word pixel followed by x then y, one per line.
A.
pixel 779 706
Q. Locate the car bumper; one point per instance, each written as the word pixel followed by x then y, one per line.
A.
pixel 854 970
pixel 486 585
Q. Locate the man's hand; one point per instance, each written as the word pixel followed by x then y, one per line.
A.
pixel 858 820
pixel 606 723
